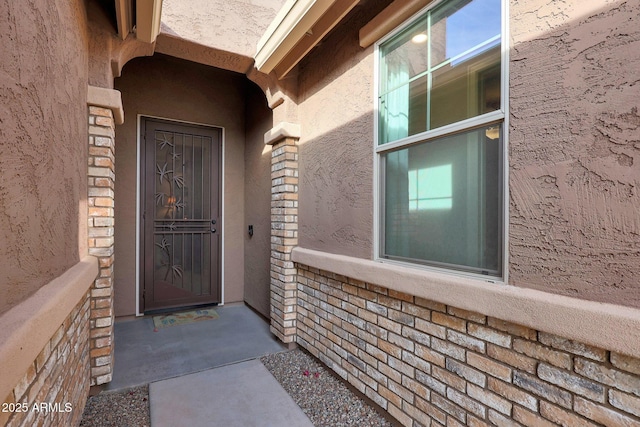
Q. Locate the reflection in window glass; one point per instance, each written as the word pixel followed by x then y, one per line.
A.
pixel 430 188
pixel 461 26
pixel 442 201
pixel 438 70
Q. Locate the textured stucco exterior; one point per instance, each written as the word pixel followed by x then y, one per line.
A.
pixel 573 237
pixel 573 147
pixel 109 53
pixel 43 149
pixel 336 148
pixel 231 26
pixel 257 199
pixel 174 89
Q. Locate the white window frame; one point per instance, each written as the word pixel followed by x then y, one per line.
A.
pixel 500 115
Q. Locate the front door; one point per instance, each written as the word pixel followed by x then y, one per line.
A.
pixel 181 181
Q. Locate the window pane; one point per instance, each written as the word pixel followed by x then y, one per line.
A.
pixel 461 90
pixel 462 25
pixel 442 69
pixel 418 107
pixel 442 201
pixel 403 111
pixel 394 114
pixel 405 56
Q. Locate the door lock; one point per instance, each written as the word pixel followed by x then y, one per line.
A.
pixel 213 222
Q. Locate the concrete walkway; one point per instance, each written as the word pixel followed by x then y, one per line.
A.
pixel 206 373
pixel 243 395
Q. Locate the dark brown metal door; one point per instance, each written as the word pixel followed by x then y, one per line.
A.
pixel 181 181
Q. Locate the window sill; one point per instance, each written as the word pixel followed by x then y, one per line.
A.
pixel 608 326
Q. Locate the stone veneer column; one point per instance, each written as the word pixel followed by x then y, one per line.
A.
pixel 105 111
pixel 101 221
pixel 284 228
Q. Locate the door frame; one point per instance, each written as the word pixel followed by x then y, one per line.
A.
pixel 140 202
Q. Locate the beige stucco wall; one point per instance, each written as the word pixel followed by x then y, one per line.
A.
pixel 43 143
pixel 227 25
pixel 102 37
pixel 170 88
pixel 336 148
pixel 257 197
pixel 109 52
pixel 573 147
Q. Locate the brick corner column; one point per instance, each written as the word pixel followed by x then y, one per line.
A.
pixel 284 229
pixel 101 176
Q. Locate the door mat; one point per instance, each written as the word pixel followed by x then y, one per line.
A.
pixel 184 318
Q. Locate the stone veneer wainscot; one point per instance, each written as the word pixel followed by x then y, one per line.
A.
pixel 59 376
pixel 429 364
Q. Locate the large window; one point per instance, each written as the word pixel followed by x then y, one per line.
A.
pixel 440 138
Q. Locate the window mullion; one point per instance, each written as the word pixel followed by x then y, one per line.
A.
pixel 478 121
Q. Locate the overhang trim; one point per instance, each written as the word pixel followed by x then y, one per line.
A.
pixel 297 28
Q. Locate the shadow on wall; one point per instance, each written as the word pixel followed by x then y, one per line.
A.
pixel 336 190
pixel 574 202
pixel 257 199
pixel 573 120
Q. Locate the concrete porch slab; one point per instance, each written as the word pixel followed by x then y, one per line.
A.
pixel 143 356
pixel 244 394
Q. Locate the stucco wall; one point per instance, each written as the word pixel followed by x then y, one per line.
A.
pixel 228 25
pixel 43 143
pixel 336 148
pixel 170 88
pixel 102 35
pixel 257 197
pixel 573 147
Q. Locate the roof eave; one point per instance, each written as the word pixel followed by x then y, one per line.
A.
pixel 297 28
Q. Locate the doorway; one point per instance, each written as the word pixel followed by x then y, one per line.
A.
pixel 181 226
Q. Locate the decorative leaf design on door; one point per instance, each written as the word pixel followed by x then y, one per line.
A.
pixel 166 195
pixel 178 180
pixel 163 173
pixel 160 198
pixel 164 141
pixel 175 270
pixel 180 204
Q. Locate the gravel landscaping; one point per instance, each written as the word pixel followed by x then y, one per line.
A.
pixel 325 399
pixel 127 408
